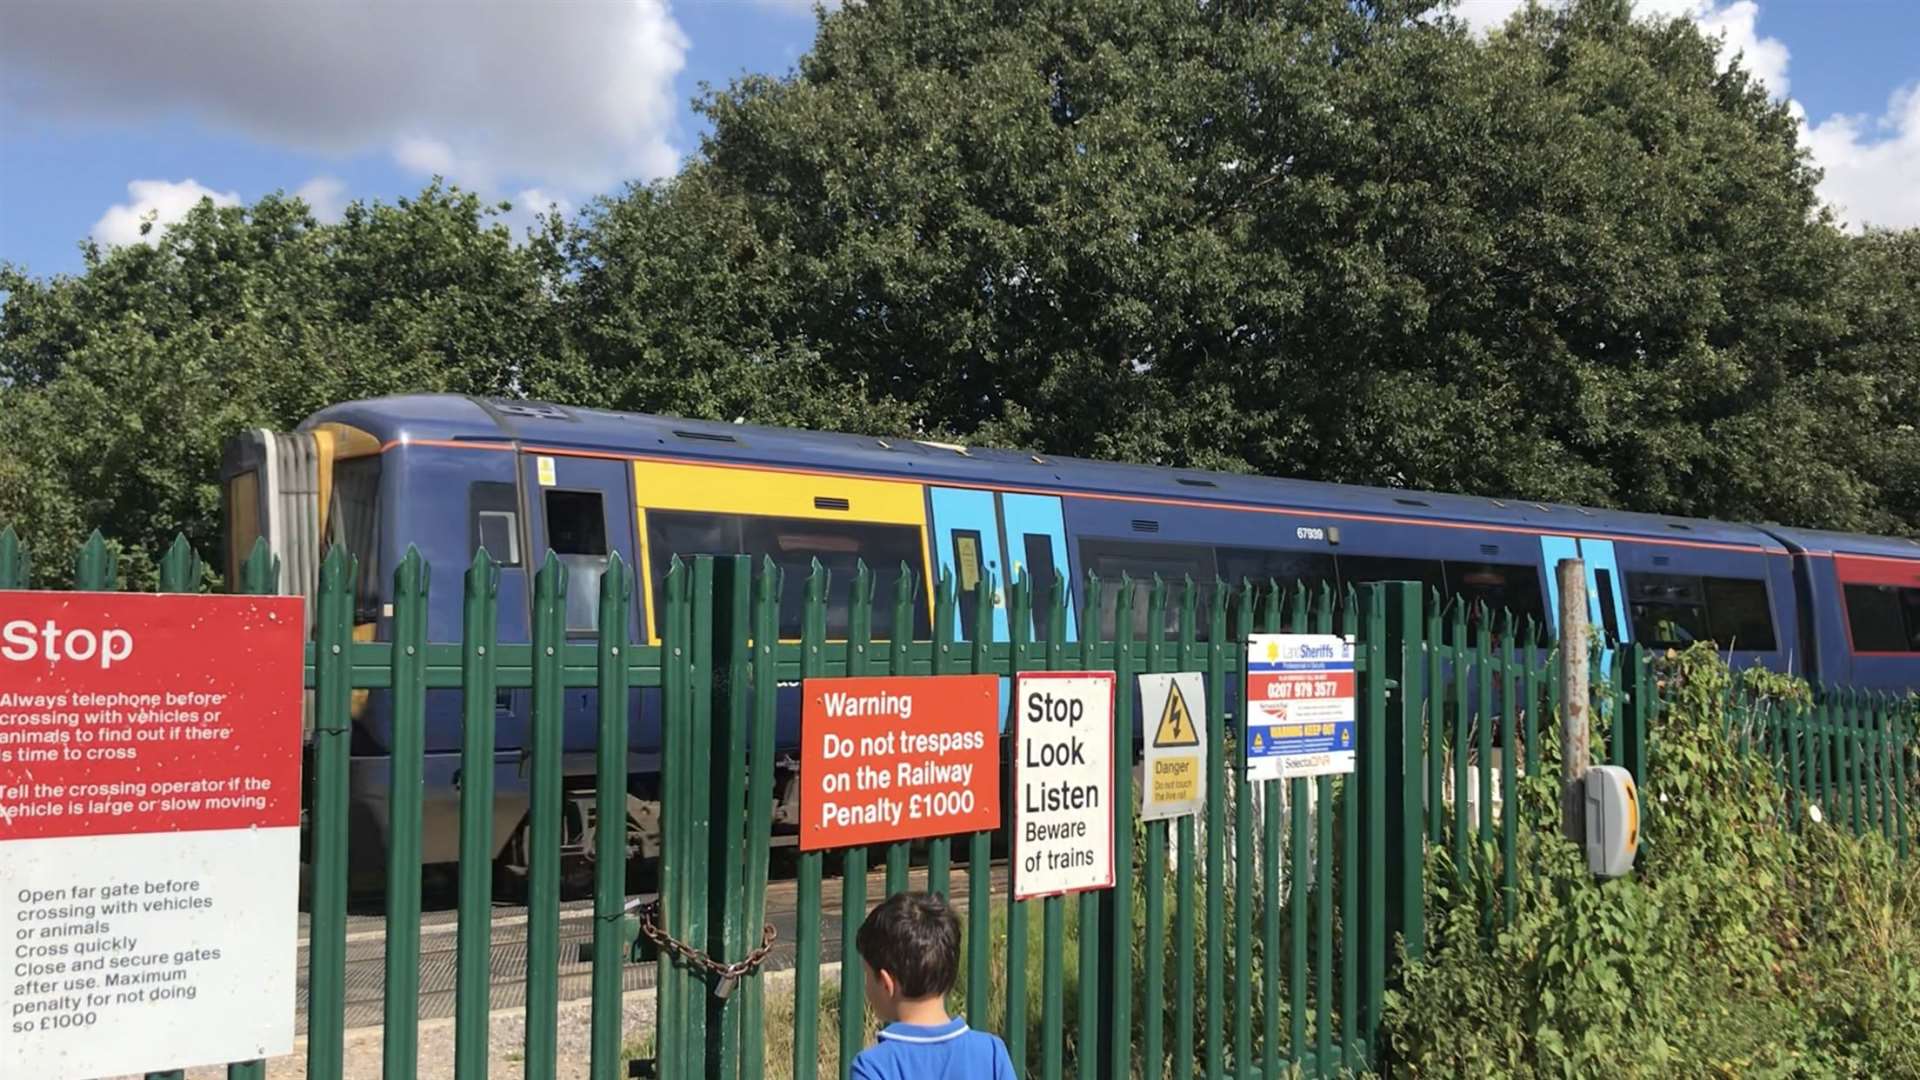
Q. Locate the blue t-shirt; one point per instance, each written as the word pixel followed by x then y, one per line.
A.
pixel 947 1052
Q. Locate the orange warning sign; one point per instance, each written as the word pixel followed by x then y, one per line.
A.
pixel 890 758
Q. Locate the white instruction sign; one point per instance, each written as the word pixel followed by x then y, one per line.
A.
pixel 1063 782
pixel 1174 782
pixel 149 831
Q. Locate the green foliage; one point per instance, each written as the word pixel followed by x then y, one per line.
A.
pixel 119 386
pixel 1740 947
pixel 1316 238
pixel 1575 260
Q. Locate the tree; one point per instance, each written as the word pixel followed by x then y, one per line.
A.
pixel 1351 242
pixel 119 386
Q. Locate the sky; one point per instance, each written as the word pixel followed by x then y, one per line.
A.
pixel 114 111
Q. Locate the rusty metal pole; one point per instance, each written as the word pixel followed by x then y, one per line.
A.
pixel 1575 695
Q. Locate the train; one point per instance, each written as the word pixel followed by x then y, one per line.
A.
pixel 449 474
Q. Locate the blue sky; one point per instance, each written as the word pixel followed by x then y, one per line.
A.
pixel 114 108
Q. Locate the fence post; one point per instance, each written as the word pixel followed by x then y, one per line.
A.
pixel 1575 694
pixel 332 735
pixel 730 848
pixel 479 682
pixel 400 1051
pixel 610 820
pixel 544 807
pixel 1405 654
pixel 1375 736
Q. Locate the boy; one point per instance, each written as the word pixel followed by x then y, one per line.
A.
pixel 910 950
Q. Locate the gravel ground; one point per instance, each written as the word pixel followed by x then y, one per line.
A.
pixel 506 1040
pixel 436 1045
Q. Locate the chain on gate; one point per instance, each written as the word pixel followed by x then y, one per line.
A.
pixel 725 976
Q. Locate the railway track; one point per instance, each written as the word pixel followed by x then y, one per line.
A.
pixel 367 942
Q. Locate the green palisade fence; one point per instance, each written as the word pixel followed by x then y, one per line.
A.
pixel 1252 939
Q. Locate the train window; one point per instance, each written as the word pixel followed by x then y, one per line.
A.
pixel 1041 573
pixel 1363 569
pixel 1740 614
pixel 577 535
pixel 243 522
pixel 576 522
pixel 354 523
pixel 1267 568
pixel 1675 610
pixel 1502 587
pixel 969 570
pixel 1669 611
pixel 686 534
pixel 1609 618
pixel 1173 562
pixel 1287 569
pixel 494 511
pixel 1883 618
pixel 793 544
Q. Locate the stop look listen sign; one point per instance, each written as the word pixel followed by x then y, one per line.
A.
pixel 1063 782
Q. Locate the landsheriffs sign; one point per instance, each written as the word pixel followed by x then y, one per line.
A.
pixel 1176 776
pixel 1300 706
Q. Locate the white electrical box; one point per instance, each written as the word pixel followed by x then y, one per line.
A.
pixel 1613 821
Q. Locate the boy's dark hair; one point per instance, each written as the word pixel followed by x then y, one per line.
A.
pixel 915 937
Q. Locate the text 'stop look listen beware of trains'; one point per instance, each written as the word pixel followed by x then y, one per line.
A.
pixel 449 474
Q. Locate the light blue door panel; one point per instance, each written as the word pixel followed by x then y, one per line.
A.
pixel 1598 555
pixel 1037 537
pixel 1601 567
pixel 1607 590
pixel 966 528
pixel 1556 548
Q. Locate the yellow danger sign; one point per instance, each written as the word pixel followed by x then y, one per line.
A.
pixel 1175 773
pixel 1176 722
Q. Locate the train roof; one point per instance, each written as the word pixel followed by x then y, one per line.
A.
pixel 1821 542
pixel 457 419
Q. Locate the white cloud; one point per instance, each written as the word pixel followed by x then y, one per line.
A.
pixel 576 95
pixel 531 205
pixel 326 196
pixel 1872 166
pixel 160 202
pixel 1485 15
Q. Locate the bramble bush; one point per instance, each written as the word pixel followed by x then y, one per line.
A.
pixel 1741 946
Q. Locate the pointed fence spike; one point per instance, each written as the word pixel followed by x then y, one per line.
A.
pixel 181 568
pixel 96 566
pixel 16 565
pixel 260 574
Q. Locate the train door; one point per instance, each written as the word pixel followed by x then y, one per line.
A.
pixel 983 534
pixel 1036 540
pixel 1606 600
pixel 966 525
pixel 582 509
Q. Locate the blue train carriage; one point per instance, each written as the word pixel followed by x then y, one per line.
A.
pixel 1859 597
pixel 450 474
